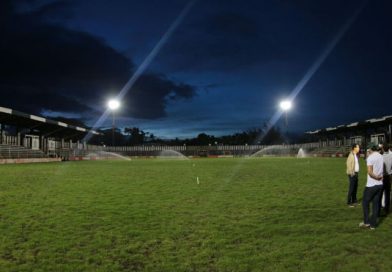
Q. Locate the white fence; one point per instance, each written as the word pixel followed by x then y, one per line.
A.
pixel 66 149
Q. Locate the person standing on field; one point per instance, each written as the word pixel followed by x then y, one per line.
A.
pixel 387 178
pixel 352 169
pixel 373 189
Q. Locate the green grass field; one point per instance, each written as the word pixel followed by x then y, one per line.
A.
pixel 267 214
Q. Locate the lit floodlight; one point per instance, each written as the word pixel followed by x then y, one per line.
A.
pixel 113 104
pixel 285 105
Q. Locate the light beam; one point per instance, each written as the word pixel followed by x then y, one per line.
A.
pixel 316 65
pixel 143 66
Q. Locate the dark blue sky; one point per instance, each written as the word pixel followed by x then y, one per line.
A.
pixel 223 70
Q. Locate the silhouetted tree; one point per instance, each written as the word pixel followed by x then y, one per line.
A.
pixel 272 136
pixel 106 138
pixel 136 135
pixel 203 139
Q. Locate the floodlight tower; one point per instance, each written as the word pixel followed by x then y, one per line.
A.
pixel 285 106
pixel 113 105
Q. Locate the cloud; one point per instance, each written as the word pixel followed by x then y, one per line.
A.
pixel 230 36
pixel 151 93
pixel 47 67
pixel 226 41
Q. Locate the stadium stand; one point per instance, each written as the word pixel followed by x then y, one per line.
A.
pixel 377 130
pixel 34 136
pixel 39 138
pixel 19 152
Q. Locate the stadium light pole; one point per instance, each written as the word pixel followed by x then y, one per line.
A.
pixel 285 106
pixel 113 105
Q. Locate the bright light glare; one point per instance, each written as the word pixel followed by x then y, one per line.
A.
pixel 113 104
pixel 285 105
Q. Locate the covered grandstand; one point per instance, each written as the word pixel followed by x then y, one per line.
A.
pixel 377 130
pixel 24 136
pixel 30 137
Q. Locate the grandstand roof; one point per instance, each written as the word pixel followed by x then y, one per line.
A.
pixel 44 126
pixel 373 121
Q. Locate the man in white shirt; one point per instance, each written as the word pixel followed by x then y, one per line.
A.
pixel 373 189
pixel 387 178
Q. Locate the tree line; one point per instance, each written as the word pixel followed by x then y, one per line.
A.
pixel 135 136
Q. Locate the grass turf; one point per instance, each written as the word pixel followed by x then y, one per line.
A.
pixel 267 214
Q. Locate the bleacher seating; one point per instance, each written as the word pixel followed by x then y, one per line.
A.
pixel 330 151
pixel 19 152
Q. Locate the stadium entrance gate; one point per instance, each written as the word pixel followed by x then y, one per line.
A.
pixel 377 138
pixel 31 141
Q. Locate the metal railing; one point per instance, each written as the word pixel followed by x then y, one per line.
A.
pixel 9 148
pixel 19 152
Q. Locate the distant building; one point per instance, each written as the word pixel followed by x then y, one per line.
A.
pixel 377 130
pixel 52 138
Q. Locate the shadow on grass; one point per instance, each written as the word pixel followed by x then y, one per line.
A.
pixel 383 215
